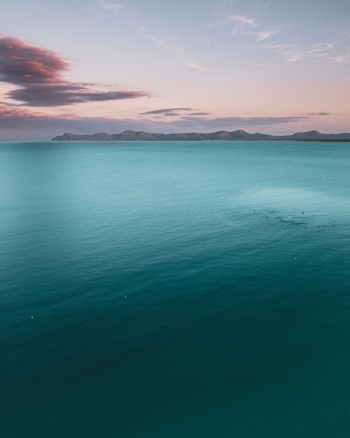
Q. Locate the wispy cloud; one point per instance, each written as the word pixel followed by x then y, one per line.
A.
pixel 294 53
pixel 174 112
pixel 243 20
pixel 198 114
pixel 336 49
pixel 261 35
pixel 167 110
pixel 165 44
pixel 318 114
pixel 344 59
pixel 38 75
pixel 197 66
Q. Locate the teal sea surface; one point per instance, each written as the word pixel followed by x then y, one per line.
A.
pixel 178 290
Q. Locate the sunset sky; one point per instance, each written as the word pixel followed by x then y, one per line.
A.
pixel 272 66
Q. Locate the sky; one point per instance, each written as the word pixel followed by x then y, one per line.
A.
pixel 271 66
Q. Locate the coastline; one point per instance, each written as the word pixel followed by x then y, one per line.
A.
pixel 239 135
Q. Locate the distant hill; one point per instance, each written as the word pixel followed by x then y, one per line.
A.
pixel 194 136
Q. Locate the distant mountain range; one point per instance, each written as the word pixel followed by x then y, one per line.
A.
pixel 194 136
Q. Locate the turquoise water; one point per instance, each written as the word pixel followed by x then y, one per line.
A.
pixel 176 289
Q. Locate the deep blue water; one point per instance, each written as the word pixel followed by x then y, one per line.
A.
pixel 176 289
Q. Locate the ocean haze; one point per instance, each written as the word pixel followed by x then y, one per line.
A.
pixel 160 289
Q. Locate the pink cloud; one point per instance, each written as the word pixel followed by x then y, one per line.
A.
pixel 9 116
pixel 39 74
pixel 21 63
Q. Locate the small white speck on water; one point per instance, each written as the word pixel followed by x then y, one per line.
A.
pixel 124 297
pixel 31 317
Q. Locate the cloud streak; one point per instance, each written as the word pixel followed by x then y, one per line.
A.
pixel 336 49
pixel 38 74
pixel 167 110
pixel 330 51
pixel 198 114
pixel 177 51
pixel 262 35
pixel 66 93
pixel 243 20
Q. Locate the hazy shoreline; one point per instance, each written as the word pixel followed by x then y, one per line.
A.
pixel 310 136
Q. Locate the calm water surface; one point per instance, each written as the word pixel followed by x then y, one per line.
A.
pixel 177 290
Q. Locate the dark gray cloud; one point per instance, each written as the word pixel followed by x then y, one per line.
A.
pixel 48 95
pixel 172 114
pixel 167 110
pixel 198 114
pixel 318 114
pixel 39 75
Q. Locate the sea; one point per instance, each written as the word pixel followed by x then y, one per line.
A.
pixel 174 290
